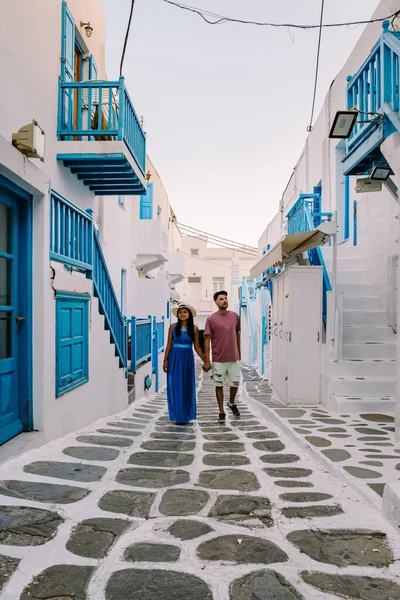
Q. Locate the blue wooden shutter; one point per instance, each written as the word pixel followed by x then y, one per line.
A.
pixel 72 341
pixel 146 203
pixel 67 62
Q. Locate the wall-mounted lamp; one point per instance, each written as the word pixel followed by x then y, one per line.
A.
pixel 380 172
pixel 88 28
pixel 344 122
pixel 29 140
pixel 148 175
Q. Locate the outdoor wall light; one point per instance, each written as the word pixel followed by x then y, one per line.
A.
pixel 29 140
pixel 380 172
pixel 343 124
pixel 148 175
pixel 88 28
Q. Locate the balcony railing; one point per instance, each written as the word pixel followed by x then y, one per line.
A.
pixel 102 111
pixel 71 234
pixel 375 86
pixel 304 217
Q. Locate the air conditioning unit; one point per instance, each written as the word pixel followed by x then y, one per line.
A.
pixel 366 184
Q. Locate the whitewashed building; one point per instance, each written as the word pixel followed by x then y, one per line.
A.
pixel 89 248
pixel 210 269
pixel 329 335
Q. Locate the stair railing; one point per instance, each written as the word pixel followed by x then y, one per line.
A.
pixel 108 303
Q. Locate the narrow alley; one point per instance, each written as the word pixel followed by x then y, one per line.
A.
pixel 136 508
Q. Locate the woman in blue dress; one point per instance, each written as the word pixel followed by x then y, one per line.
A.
pixel 179 365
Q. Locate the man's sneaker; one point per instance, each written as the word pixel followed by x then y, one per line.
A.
pixel 222 418
pixel 234 409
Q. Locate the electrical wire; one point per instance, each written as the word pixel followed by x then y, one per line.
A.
pixel 211 262
pixel 220 19
pixel 126 38
pixel 217 237
pixel 309 128
pixel 254 255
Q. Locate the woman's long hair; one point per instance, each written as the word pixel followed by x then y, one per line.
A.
pixel 190 325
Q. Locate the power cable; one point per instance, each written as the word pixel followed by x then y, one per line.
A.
pixel 211 262
pixel 218 237
pixel 309 128
pixel 220 19
pixel 222 245
pixel 126 38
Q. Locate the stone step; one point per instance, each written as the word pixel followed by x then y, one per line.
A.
pixel 362 404
pixel 346 264
pixel 359 333
pixel 357 289
pixel 361 302
pixel 363 368
pixel 369 350
pixel 348 276
pixel 365 317
pixel 364 386
pixel 344 252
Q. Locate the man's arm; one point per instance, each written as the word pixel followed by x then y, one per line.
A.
pixel 238 345
pixel 207 347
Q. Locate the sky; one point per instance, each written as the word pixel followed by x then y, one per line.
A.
pixel 226 107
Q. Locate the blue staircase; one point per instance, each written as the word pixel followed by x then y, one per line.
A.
pixel 103 289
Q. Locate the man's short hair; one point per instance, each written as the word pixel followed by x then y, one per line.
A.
pixel 220 293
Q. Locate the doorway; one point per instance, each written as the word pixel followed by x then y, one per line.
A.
pixel 15 312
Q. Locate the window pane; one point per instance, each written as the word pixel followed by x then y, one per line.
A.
pixel 5 334
pixel 5 281
pixel 5 229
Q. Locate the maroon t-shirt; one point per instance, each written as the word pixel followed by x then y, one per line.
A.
pixel 223 330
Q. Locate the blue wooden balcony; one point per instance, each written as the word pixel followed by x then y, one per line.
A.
pixel 100 137
pixel 374 89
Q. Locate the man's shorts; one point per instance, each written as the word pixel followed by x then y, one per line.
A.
pixel 226 372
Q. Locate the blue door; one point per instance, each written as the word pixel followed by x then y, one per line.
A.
pixel 10 418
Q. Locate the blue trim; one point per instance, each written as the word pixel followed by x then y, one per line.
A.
pixel 154 350
pixel 77 376
pixel 354 222
pixel 25 336
pixel 346 224
pixel 146 203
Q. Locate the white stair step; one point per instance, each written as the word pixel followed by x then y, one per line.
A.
pixel 364 317
pixel 364 386
pixel 353 276
pixel 345 252
pixel 363 368
pixel 368 334
pixel 357 289
pixel 379 350
pixel 346 264
pixel 361 303
pixel 361 404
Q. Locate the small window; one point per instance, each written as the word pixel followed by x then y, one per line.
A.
pixel 194 279
pixel 72 341
pixel 121 201
pixel 194 251
pixel 158 211
pixel 218 284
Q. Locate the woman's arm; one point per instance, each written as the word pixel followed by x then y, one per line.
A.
pixel 197 346
pixel 168 348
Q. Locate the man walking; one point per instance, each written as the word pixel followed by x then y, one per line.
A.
pixel 222 333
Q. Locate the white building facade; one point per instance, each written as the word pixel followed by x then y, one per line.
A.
pixel 353 340
pixel 89 247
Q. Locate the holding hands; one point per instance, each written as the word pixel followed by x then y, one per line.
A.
pixel 207 366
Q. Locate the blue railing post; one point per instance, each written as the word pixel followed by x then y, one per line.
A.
pixel 133 344
pixel 154 350
pixel 121 114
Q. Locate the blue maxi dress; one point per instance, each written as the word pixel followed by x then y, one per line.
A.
pixel 181 384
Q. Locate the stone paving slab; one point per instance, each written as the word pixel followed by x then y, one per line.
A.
pixel 341 440
pixel 197 512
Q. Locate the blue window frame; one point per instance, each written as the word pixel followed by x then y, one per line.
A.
pixel 121 201
pixel 72 341
pixel 146 203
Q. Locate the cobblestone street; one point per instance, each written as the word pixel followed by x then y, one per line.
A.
pixel 137 508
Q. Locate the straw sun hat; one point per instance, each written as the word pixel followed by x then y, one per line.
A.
pixel 190 308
